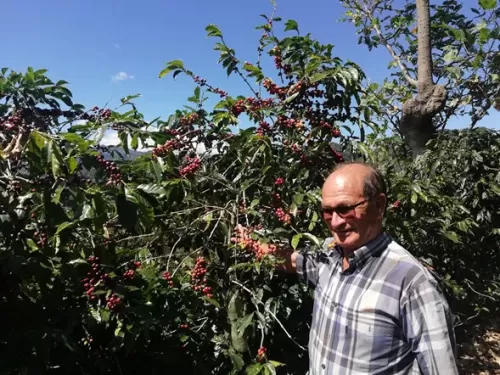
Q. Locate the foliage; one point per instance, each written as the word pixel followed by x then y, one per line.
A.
pixel 465 56
pixel 444 209
pixel 110 265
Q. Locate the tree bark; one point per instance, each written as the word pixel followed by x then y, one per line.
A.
pixel 416 121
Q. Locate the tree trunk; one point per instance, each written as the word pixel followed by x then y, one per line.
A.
pixel 416 121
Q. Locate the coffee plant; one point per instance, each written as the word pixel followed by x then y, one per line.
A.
pixel 112 264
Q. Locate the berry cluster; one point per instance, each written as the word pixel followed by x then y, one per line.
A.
pixel 114 176
pixel 193 164
pixel 168 277
pixel 199 278
pixel 172 131
pixel 218 91
pixel 162 150
pixel 238 107
pixel 278 62
pixel 12 122
pixel 113 302
pixel 102 113
pixel 184 326
pixel 250 104
pixel 200 81
pixel 255 246
pixel 274 89
pixel 130 273
pixel 262 354
pixel 256 104
pixel 215 90
pixel 396 204
pixel 279 181
pixel 189 119
pixel 289 123
pixel 94 276
pixel 87 341
pixel 41 238
pixel 336 132
pixel 283 216
pixel 338 156
pixel 263 129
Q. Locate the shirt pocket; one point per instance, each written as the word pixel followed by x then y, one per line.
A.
pixel 373 323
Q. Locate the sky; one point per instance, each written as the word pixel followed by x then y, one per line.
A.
pixel 109 49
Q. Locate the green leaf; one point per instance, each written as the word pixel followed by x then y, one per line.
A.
pixel 56 197
pixel 124 141
pixel 313 238
pixel 244 322
pixel 56 159
pixel 276 363
pixel 488 4
pixel 295 240
pixel 128 98
pixel 78 261
pixel 254 369
pixel 452 236
pixel 153 189
pixel 213 30
pixel 290 98
pixel 63 226
pixel 134 143
pixel 37 139
pixel 291 25
pixel 319 76
pixel 32 245
pixel 172 65
pixel 72 164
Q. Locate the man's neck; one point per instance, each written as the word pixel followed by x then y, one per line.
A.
pixel 347 252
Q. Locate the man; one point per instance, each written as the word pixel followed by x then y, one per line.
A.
pixel 377 309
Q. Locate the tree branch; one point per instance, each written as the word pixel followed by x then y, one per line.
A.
pixel 394 55
pixel 387 45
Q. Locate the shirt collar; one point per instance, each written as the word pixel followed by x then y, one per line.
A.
pixel 358 258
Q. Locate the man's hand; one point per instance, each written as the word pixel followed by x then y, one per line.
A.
pixel 262 249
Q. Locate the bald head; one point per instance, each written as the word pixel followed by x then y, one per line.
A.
pixel 360 177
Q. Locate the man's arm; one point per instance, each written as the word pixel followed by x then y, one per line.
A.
pixel 428 327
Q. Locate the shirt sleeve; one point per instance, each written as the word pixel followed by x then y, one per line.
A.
pixel 308 268
pixel 428 327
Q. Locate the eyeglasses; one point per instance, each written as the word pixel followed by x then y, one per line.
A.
pixel 342 211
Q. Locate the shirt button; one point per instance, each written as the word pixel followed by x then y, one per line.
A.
pixel 323 366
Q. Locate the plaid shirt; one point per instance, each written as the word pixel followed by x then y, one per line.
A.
pixel 385 314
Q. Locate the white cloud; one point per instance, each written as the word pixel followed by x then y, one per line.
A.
pixel 117 46
pixel 122 76
pixel 110 138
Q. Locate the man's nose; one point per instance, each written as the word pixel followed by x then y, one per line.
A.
pixel 337 221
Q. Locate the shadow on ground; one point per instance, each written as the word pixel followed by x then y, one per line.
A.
pixel 479 349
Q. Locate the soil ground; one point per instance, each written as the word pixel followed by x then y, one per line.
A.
pixel 479 350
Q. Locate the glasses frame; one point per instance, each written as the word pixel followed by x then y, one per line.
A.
pixel 347 211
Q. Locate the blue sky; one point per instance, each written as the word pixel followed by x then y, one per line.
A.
pixel 89 42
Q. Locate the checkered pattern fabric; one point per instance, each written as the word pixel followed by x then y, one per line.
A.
pixel 385 314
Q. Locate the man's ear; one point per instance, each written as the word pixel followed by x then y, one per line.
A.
pixel 380 204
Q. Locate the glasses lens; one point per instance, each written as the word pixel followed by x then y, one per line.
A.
pixel 327 213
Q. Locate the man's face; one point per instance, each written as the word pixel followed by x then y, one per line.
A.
pixel 352 219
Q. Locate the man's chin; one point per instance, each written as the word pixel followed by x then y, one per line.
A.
pixel 345 239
